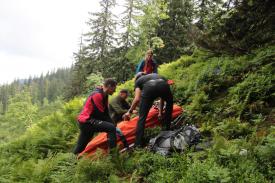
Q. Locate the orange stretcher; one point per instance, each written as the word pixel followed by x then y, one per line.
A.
pixel 128 129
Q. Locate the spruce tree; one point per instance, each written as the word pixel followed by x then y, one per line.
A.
pixel 152 11
pixel 101 36
pixel 128 24
pixel 174 31
pixel 81 69
pixel 4 98
pixel 127 39
pixel 206 11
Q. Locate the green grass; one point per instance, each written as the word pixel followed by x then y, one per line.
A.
pixel 231 99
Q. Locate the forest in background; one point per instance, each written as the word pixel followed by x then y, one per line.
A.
pixel 220 55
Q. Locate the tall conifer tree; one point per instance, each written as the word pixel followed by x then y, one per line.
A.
pixel 174 30
pixel 101 37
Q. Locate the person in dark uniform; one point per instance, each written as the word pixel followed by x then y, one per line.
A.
pixel 147 89
pixel 95 117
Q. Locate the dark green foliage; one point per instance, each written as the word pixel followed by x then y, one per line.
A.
pixel 175 31
pixel 247 26
pixel 101 38
pixel 4 98
pixel 205 11
pixel 244 84
pixel 80 71
pixel 254 92
pixel 230 98
pixel 18 117
pixel 241 149
pixel 232 128
pixel 128 23
pixel 103 51
pixel 46 88
pixel 119 66
pixel 207 171
pixel 94 171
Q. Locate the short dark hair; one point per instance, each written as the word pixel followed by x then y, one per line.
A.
pixel 124 91
pixel 110 82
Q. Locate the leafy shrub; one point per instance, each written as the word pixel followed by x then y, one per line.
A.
pixel 253 92
pixel 129 85
pixel 232 128
pixel 264 153
pixel 206 171
pixel 215 92
pixel 90 171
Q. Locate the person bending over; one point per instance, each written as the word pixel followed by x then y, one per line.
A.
pixel 147 89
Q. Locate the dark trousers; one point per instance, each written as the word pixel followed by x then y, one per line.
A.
pixel 122 137
pixel 149 94
pixel 87 130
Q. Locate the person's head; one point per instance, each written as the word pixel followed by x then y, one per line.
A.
pixel 138 75
pixel 109 86
pixel 149 55
pixel 123 94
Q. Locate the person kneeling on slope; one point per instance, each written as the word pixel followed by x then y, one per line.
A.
pixel 95 117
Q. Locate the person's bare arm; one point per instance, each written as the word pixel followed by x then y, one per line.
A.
pixel 134 103
pixel 161 104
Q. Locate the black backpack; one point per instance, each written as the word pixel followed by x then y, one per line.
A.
pixel 178 140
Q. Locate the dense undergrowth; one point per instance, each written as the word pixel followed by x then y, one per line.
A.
pixel 231 99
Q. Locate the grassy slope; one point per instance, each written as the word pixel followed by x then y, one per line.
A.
pixel 230 98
